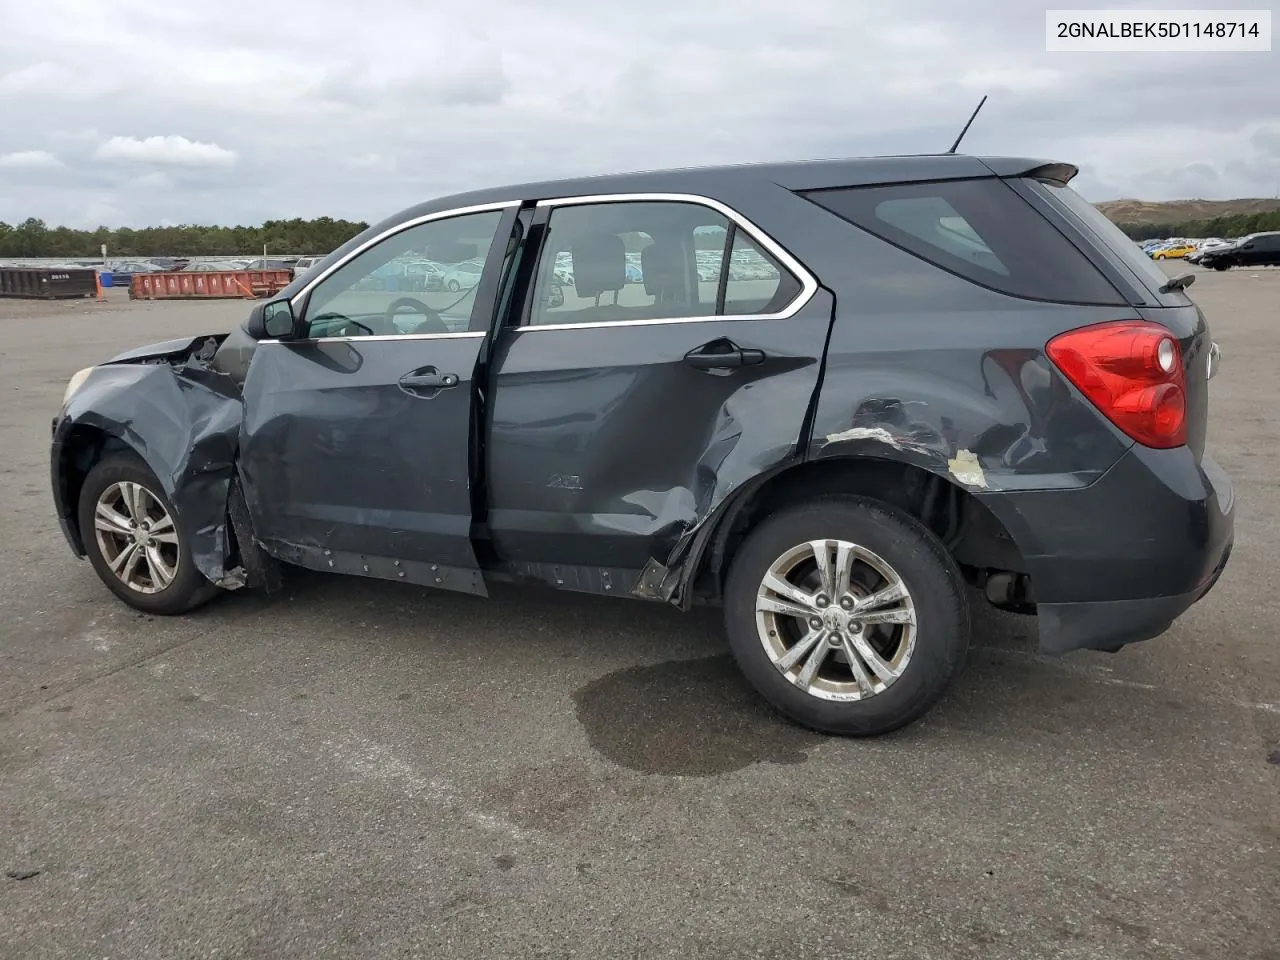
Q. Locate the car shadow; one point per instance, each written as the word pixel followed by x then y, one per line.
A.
pixel 685 709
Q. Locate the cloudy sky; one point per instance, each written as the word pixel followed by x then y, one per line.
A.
pixel 136 112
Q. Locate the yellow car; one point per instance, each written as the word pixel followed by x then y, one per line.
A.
pixel 1173 253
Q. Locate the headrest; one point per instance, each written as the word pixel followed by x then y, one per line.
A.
pixel 663 267
pixel 599 264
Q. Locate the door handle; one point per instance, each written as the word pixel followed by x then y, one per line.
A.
pixel 722 354
pixel 428 378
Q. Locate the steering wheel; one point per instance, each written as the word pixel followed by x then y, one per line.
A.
pixel 432 323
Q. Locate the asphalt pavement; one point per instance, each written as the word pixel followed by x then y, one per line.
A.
pixel 364 769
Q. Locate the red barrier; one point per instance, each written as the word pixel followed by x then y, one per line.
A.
pixel 204 285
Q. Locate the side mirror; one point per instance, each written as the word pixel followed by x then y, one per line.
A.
pixel 271 321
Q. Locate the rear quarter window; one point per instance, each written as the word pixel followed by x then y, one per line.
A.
pixel 978 229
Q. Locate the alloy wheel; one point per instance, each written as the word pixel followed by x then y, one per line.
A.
pixel 836 620
pixel 137 537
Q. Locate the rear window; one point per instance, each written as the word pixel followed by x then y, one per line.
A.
pixel 979 229
pixel 1111 236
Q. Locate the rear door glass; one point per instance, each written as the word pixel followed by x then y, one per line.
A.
pixel 979 229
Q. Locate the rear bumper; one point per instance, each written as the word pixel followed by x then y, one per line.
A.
pixel 1112 624
pixel 1118 561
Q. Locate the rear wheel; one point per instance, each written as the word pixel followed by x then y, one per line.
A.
pixel 135 541
pixel 848 616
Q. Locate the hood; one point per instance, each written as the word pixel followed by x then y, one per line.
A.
pixel 167 349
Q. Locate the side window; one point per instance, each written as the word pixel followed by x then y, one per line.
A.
pixel 756 283
pixel 979 229
pixel 420 280
pixel 651 260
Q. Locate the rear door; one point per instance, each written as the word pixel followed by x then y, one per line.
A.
pixel 358 438
pixel 661 353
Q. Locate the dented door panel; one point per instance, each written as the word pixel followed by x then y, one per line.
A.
pixel 346 468
pixel 606 447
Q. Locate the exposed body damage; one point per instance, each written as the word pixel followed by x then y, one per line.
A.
pixel 182 417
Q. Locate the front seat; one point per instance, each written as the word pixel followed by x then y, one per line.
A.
pixel 666 276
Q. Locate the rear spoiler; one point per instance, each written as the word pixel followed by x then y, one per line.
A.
pixel 1052 170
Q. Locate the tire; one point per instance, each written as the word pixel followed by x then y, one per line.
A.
pixel 187 588
pixel 928 659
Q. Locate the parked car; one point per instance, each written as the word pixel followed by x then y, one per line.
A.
pixel 1174 252
pixel 130 267
pixel 303 264
pixel 213 266
pixel 463 276
pixel 267 263
pixel 960 371
pixel 1255 250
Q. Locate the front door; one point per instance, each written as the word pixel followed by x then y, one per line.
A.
pixel 358 437
pixel 665 354
pixel 1265 250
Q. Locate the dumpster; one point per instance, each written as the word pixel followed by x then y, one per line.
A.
pixel 47 283
pixel 208 284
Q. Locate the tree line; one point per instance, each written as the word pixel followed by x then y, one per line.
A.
pixel 1232 225
pixel 33 238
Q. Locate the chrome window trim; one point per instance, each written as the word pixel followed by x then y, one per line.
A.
pixel 333 268
pixel 808 283
pixel 460 335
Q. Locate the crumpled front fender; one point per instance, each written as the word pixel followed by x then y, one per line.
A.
pixel 183 420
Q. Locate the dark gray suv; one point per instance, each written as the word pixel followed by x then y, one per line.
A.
pixel 822 395
pixel 1255 250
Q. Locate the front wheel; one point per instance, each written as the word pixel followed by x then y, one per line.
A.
pixel 848 616
pixel 135 541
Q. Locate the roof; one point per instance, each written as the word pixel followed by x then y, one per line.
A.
pixel 796 175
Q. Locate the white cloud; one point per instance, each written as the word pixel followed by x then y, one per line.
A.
pixel 153 181
pixel 172 150
pixel 30 160
pixel 371 161
pixel 374 106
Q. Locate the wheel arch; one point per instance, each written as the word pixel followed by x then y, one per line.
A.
pixel 969 530
pixel 81 448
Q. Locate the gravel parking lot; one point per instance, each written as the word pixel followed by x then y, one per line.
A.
pixel 364 769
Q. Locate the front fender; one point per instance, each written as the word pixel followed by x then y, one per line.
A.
pixel 183 421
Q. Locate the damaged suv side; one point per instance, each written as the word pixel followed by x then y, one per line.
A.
pixel 822 395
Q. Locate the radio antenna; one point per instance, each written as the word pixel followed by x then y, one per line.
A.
pixel 967 125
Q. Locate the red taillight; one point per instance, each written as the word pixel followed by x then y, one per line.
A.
pixel 1132 371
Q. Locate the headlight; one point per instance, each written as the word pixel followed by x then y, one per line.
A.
pixel 76 381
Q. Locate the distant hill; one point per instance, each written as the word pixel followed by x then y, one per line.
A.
pixel 1144 219
pixel 1181 211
